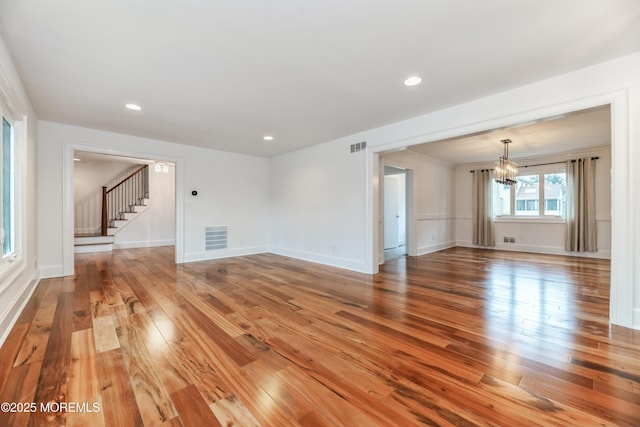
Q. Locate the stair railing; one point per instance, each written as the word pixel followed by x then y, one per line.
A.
pixel 123 197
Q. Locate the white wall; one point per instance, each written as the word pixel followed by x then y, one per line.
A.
pixel 433 215
pixel 318 206
pixel 538 236
pixel 155 226
pixel 17 283
pixel 233 191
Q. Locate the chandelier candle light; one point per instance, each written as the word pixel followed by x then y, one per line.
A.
pixel 506 171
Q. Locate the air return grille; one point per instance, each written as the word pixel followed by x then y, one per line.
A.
pixel 215 238
pixel 358 147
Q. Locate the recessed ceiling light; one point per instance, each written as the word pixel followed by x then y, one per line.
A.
pixel 133 107
pixel 267 138
pixel 412 81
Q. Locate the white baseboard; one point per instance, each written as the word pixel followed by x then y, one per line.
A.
pixel 539 249
pixel 636 318
pixel 223 253
pixel 422 250
pixel 15 308
pixel 143 244
pixel 347 264
pixel 50 271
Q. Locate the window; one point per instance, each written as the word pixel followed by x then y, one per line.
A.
pixel 555 194
pixel 539 193
pixel 12 144
pixel 7 232
pixel 527 195
pixel 501 199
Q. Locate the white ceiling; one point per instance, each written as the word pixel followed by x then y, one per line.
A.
pixel 573 132
pixel 222 74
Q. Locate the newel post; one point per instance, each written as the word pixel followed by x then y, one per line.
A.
pixel 104 211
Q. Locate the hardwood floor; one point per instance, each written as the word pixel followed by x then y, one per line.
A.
pixel 461 337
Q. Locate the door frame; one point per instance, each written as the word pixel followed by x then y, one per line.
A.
pixel 410 222
pixel 68 147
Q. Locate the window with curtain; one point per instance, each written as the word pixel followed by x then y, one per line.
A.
pixel 483 234
pixel 581 235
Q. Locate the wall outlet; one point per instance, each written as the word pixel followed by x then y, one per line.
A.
pixel 506 239
pixel 512 239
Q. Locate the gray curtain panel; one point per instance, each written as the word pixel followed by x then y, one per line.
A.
pixel 581 233
pixel 483 234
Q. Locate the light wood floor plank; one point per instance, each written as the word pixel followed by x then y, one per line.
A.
pixel 54 375
pixel 20 389
pixel 231 412
pixel 34 346
pixel 84 381
pixel 119 406
pixel 192 408
pixel 152 398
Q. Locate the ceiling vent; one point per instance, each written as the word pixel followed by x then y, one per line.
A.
pixel 358 147
pixel 215 238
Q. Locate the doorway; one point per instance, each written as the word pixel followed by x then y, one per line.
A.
pixel 142 193
pixel 176 186
pixel 395 212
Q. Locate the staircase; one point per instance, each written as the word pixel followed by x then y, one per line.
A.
pixel 121 205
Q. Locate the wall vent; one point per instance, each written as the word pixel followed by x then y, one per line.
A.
pixel 358 147
pixel 215 238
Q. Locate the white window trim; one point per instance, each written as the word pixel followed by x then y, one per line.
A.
pixel 549 219
pixel 13 265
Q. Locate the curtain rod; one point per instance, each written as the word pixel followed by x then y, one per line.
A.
pixel 539 164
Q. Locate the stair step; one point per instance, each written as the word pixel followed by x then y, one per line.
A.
pixel 92 240
pixel 83 249
pixel 85 244
pixel 118 224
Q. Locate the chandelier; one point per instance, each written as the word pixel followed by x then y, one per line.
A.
pixel 162 167
pixel 505 170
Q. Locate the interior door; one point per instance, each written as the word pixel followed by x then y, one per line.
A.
pixel 391 211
